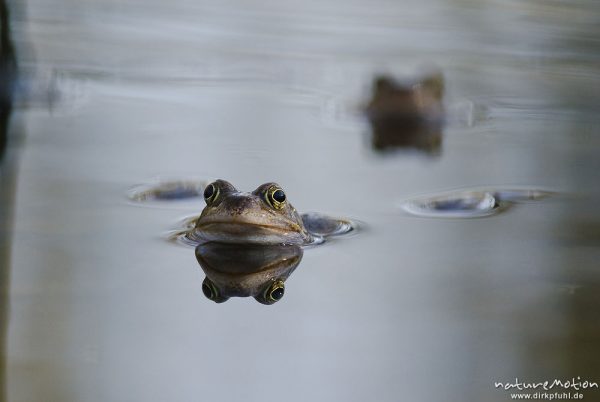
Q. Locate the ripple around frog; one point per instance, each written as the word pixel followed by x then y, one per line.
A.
pixel 321 227
pixel 168 191
pixel 475 203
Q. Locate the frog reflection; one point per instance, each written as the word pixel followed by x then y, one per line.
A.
pixel 234 270
pixel 408 114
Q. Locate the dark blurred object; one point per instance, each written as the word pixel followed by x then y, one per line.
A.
pixel 409 114
pixel 234 270
pixel 7 76
pixel 173 190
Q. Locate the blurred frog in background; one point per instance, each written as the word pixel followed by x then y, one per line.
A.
pixel 407 114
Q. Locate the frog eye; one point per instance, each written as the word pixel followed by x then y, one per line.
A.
pixel 211 292
pixel 209 289
pixel 275 292
pixel 276 197
pixel 211 192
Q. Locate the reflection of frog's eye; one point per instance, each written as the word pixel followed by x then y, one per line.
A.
pixel 276 197
pixel 211 192
pixel 210 290
pixel 275 292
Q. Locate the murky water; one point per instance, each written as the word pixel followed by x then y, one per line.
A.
pixel 117 94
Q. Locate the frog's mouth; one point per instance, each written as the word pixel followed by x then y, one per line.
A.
pixel 244 230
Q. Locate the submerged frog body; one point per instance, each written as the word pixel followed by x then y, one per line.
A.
pixel 264 216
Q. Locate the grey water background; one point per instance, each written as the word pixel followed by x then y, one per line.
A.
pixel 99 307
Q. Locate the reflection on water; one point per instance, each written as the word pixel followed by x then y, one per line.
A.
pixel 407 115
pixel 234 270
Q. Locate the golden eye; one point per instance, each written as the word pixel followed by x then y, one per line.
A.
pixel 275 292
pixel 211 192
pixel 276 197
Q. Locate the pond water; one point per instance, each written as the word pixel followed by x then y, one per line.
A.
pixel 100 306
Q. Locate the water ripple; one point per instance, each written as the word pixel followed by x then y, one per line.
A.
pixel 321 227
pixel 471 203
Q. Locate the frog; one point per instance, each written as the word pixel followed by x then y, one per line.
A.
pixel 264 216
pixel 407 114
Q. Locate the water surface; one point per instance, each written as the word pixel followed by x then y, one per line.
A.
pixel 102 308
